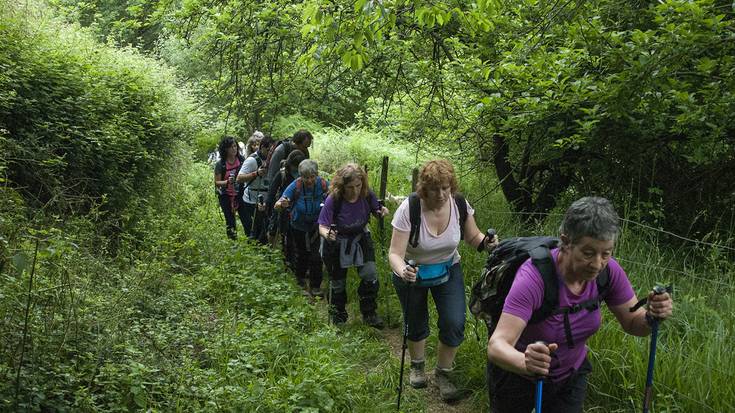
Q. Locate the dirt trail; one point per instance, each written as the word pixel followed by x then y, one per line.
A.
pixel 434 404
pixel 394 338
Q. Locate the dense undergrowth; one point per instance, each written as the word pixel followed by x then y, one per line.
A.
pixel 693 366
pixel 179 319
pixel 164 314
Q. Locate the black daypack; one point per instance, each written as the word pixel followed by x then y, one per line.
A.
pixel 222 164
pixel 414 215
pixel 288 146
pixel 489 293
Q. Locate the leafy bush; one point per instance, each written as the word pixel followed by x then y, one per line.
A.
pixel 84 124
pixel 180 319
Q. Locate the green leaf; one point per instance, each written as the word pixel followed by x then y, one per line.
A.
pixel 20 262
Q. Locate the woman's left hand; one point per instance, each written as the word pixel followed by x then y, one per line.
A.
pixel 491 244
pixel 383 211
pixel 660 306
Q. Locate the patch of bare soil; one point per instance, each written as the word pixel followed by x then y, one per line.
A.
pixel 434 403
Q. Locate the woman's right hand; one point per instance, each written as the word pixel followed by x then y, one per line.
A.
pixel 281 203
pixel 409 273
pixel 538 358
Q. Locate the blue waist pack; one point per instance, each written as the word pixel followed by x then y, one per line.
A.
pixel 434 274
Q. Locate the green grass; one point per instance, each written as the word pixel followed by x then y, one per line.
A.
pixel 694 368
pixel 180 319
pixel 176 318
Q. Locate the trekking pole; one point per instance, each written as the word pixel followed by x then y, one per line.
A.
pixel 539 394
pixel 381 230
pixel 381 238
pixel 330 308
pixel 539 389
pixel 648 392
pixel 412 263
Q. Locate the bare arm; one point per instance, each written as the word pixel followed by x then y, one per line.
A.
pixel 660 306
pixel 397 255
pixel 473 235
pixel 501 349
pixel 219 180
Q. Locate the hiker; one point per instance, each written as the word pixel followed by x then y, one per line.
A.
pixel 253 143
pixel 278 222
pixel 228 190
pixel 303 198
pixel 555 347
pixel 347 242
pixel 301 140
pixel 433 246
pixel 251 176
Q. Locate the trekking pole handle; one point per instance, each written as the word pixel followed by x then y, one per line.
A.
pixel 489 235
pixel 412 264
pixel 657 290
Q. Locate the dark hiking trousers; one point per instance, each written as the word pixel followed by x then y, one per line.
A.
pixel 307 260
pixel 511 393
pixel 225 202
pixel 257 223
pixel 369 285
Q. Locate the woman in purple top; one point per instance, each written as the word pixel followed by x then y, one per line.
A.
pixel 520 352
pixel 347 243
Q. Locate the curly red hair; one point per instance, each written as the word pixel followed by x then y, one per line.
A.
pixel 435 175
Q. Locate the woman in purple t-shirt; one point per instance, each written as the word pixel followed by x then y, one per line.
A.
pixel 346 242
pixel 555 348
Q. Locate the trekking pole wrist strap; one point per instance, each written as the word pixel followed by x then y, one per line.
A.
pixel 481 245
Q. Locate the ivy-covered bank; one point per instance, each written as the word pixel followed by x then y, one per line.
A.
pixel 178 320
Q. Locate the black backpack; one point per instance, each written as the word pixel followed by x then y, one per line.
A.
pixel 488 294
pixel 288 146
pixel 414 215
pixel 222 164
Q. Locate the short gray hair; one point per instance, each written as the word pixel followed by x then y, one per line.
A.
pixel 308 167
pixel 592 217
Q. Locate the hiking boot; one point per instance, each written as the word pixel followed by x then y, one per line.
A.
pixel 339 318
pixel 317 292
pixel 417 376
pixel 373 320
pixel 447 390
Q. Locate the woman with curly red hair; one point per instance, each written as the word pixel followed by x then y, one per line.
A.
pixel 444 218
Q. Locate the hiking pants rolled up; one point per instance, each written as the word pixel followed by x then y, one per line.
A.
pixel 450 305
pixel 225 202
pixel 308 263
pixel 369 285
pixel 511 393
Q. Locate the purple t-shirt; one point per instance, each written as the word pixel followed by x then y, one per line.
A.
pixel 526 295
pixel 353 216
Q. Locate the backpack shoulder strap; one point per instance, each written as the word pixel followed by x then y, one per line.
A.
pixel 297 190
pixel 324 187
pixel 542 260
pixel 603 286
pixel 336 208
pixel 462 209
pixel 258 159
pixel 603 283
pixel 414 216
